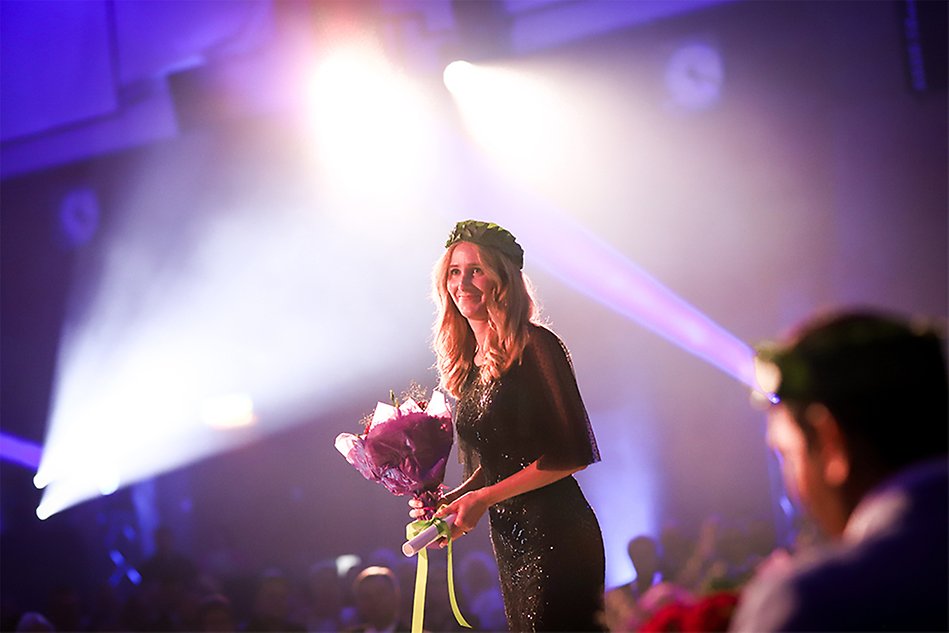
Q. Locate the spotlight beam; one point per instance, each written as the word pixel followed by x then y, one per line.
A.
pixel 586 263
pixel 616 282
pixel 518 121
pixel 18 451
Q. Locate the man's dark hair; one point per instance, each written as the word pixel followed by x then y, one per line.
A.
pixel 883 379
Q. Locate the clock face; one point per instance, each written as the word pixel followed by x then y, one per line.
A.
pixel 694 76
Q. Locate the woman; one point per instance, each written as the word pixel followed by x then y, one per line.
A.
pixel 523 431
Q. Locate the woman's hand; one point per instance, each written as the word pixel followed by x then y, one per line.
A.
pixel 468 508
pixel 417 511
pixel 473 483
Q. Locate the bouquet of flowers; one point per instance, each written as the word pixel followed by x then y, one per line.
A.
pixel 405 448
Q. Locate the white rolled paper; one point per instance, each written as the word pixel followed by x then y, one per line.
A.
pixel 425 538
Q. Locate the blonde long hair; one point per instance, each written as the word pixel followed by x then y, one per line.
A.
pixel 511 310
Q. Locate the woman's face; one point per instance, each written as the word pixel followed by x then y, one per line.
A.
pixel 467 283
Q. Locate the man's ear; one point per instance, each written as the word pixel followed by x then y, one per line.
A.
pixel 831 447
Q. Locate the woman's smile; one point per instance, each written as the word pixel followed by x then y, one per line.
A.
pixel 468 284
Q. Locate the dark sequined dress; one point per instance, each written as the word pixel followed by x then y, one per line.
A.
pixel 547 542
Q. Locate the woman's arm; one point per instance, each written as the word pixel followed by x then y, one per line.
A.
pixel 472 483
pixel 470 506
pixel 475 481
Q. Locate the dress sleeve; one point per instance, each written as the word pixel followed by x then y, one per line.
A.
pixel 567 439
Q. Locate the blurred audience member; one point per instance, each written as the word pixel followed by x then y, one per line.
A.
pixel 271 610
pixel 220 555
pixel 31 621
pixel 728 553
pixel 167 565
pixel 620 602
pixel 675 551
pixel 106 612
pixel 643 553
pixel 322 609
pixel 376 592
pixel 405 571
pixel 167 577
pixel 861 428
pixel 438 613
pixel 214 615
pixel 479 586
pixel 65 610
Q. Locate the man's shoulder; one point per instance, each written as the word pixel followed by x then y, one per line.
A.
pixel 843 586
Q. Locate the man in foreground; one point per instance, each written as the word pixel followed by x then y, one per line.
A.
pixel 860 424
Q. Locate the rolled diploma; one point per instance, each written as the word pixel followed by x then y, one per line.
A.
pixel 425 538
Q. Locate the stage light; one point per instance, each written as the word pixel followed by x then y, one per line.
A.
pixel 228 411
pixel 520 118
pixel 345 562
pixel 370 123
pixel 108 481
pixel 455 75
pixel 198 327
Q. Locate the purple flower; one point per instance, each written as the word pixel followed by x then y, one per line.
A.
pixel 406 452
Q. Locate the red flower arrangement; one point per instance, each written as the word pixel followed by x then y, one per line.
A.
pixel 710 613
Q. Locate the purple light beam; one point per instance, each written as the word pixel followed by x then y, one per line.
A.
pixel 22 452
pixel 596 269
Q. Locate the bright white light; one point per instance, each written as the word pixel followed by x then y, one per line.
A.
pixel 767 375
pixel 371 124
pixel 519 118
pixel 346 562
pixel 273 296
pixel 109 482
pixel 228 411
pixel 455 75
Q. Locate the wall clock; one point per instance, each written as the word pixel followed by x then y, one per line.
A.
pixel 695 76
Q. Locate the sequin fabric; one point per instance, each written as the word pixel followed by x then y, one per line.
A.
pixel 547 542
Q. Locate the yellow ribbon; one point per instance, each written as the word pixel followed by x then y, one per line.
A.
pixel 421 574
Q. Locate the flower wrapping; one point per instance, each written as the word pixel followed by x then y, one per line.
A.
pixel 404 448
